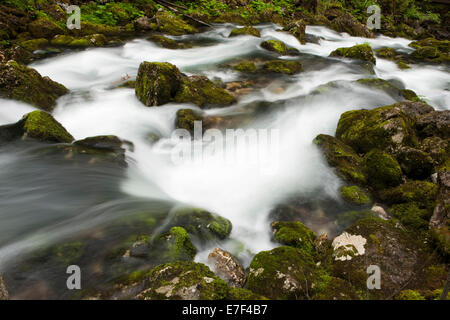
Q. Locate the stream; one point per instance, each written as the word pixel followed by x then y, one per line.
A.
pixel 45 201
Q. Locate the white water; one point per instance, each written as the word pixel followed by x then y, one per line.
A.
pixel 237 191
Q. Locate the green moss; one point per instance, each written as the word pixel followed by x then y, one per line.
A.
pixel 409 295
pixel 111 13
pixel 68 253
pixel 410 215
pixel 27 85
pixel 286 273
pixel 34 44
pixel 185 119
pixel 382 170
pixel 174 245
pixel 167 42
pixel 42 126
pixel 422 193
pixel 346 219
pixel 355 195
pixel 183 280
pixel 339 155
pixel 44 28
pixel 337 289
pixel 294 234
pixel 245 31
pixel 202 91
pixel 172 24
pixel 361 52
pixel 201 223
pixel 243 294
pixel 282 66
pixel 415 163
pixel 278 47
pixel 157 83
pixel 246 66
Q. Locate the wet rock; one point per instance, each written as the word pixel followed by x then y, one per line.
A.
pixel 246 66
pixel 37 125
pixel 297 29
pixel 171 24
pixel 183 281
pixel 279 47
pixel 3 290
pixel 227 267
pixel 245 31
pixel 347 23
pixel 202 92
pixel 342 157
pixel 144 24
pixel 157 83
pixel 360 52
pixel 415 163
pixel 201 223
pixel 382 170
pixel 44 28
pixel 294 234
pixel 436 123
pixel 285 273
pixel 338 289
pixel 174 245
pixel 282 66
pixel 19 82
pixel 354 194
pixel 94 40
pixel 431 50
pixel 389 88
pixel 377 242
pixel 346 219
pixel 167 42
pixel 393 55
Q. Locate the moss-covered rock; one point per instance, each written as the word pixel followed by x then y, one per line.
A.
pixel 360 52
pixel 243 294
pixel 415 163
pixel 337 289
pixel 342 157
pixel 409 295
pixel 387 246
pixel 431 50
pixel 157 83
pixel 19 82
pixel 245 31
pixel 355 195
pixel 422 193
pixel 346 219
pixel 44 28
pixel 347 23
pixel 202 92
pixel 246 66
pixel 410 215
pixel 389 88
pixel 294 234
pixel 3 291
pixel 171 24
pixel 297 29
pixel 393 55
pixel 434 123
pixel 382 170
pixel 185 119
pixel 386 128
pixel 279 47
pixel 95 40
pixel 183 281
pixel 282 66
pixel 167 42
pixel 37 125
pixel 34 44
pixel 201 223
pixel 174 245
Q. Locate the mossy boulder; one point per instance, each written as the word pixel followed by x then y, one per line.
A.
pixel 389 88
pixel 393 55
pixel 21 83
pixel 294 234
pixel 297 29
pixel 411 216
pixel 286 273
pixel 337 289
pixel 202 92
pixel 185 119
pixel 282 66
pixel 171 246
pixel 201 223
pixel 44 28
pixel 347 23
pixel 348 164
pixel 346 219
pixel 34 44
pixel 167 42
pixel 172 24
pixel 250 31
pixel 431 50
pixel 37 125
pixel 409 295
pixel 246 66
pixel 382 170
pixel 434 123
pixel 415 163
pixel 385 245
pixel 3 291
pixel 354 195
pixel 243 294
pixel 359 52
pixel 157 83
pixel 279 47
pixel 95 40
pixel 386 128
pixel 182 281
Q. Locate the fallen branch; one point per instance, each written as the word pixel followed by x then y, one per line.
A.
pixel 169 6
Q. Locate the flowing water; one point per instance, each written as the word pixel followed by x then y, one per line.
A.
pixel 43 200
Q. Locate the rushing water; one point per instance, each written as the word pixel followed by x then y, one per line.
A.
pixel 43 200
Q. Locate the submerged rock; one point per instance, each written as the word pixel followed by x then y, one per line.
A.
pixel 183 281
pixel 246 66
pixel 245 31
pixel 389 88
pixel 360 52
pixel 157 83
pixel 279 47
pixel 21 83
pixel 94 40
pixel 37 125
pixel 227 267
pixel 282 66
pixel 297 29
